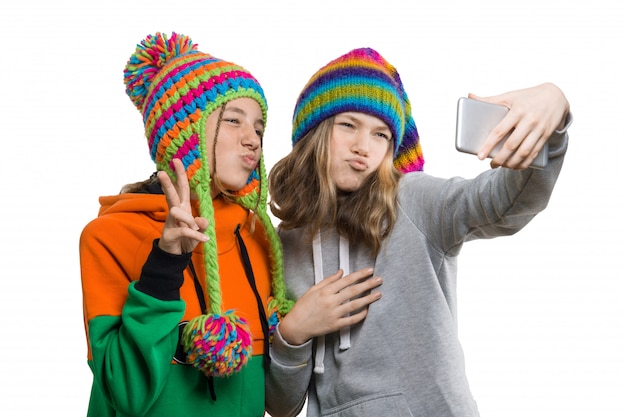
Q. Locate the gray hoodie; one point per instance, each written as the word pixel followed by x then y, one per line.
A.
pixel 405 358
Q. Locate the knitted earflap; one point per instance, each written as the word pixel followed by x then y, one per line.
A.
pixel 278 305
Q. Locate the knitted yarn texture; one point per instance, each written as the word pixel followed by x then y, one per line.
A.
pixel 361 81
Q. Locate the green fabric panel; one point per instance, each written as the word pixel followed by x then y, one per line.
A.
pixel 134 374
pixel 186 393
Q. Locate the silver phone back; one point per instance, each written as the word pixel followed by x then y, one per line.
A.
pixel 475 119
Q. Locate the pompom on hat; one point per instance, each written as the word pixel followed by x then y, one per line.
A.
pixel 176 87
pixel 361 81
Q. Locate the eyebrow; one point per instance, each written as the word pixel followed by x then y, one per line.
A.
pixel 243 113
pixel 381 126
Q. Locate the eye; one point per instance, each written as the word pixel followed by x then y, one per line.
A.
pixel 346 125
pixel 231 120
pixel 383 136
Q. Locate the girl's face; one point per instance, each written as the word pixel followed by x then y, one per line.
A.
pixel 358 144
pixel 238 148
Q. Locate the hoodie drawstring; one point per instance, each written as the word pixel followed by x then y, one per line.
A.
pixel 344 264
pixel 318 265
pixel 250 275
pixel 180 351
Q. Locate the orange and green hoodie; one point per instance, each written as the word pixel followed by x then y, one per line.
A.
pixel 135 296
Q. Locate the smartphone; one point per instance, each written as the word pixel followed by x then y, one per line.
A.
pixel 475 120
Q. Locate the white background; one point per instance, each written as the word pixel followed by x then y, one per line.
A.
pixel 541 314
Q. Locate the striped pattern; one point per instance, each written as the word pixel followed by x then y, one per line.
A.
pixel 361 81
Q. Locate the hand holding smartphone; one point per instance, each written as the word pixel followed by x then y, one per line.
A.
pixel 475 120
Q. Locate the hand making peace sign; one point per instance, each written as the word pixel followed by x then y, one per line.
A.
pixel 182 232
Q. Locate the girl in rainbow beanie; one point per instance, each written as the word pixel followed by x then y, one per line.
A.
pixel 182 274
pixel 353 200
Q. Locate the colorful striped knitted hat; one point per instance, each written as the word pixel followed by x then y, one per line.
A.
pixel 361 81
pixel 176 87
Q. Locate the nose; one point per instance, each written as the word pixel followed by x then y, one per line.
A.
pixel 250 138
pixel 361 143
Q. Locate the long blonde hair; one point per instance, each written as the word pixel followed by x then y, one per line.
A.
pixel 303 194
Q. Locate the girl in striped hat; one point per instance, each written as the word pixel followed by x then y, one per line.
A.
pixel 353 200
pixel 182 274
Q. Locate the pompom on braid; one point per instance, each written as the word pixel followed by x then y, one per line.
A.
pixel 150 56
pixel 218 344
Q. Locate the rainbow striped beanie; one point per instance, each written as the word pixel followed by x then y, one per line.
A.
pixel 361 81
pixel 176 87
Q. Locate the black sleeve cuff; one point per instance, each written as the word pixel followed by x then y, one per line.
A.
pixel 162 274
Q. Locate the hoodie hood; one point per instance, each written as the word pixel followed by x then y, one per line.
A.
pixel 152 205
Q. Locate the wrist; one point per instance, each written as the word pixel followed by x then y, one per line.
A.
pixel 290 333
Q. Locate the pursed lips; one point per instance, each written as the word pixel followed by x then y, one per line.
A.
pixel 358 164
pixel 250 160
